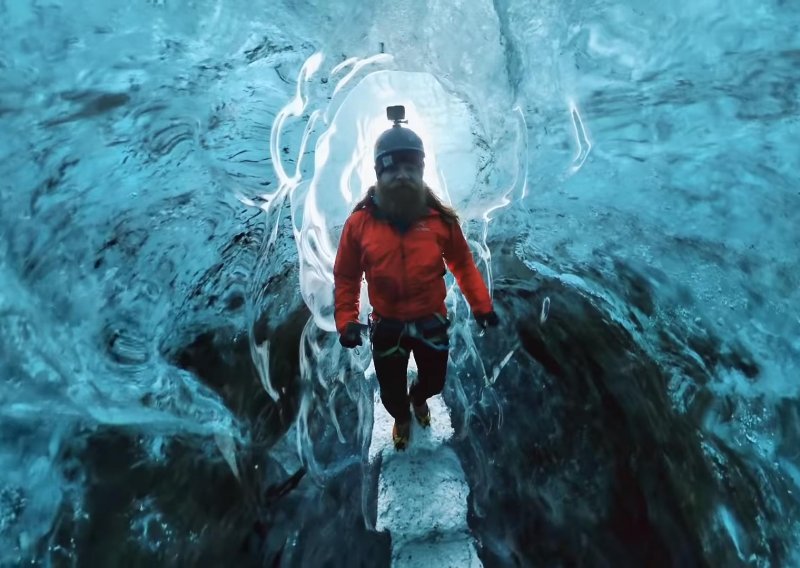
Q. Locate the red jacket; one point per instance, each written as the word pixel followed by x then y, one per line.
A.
pixel 405 271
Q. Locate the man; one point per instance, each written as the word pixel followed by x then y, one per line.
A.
pixel 402 237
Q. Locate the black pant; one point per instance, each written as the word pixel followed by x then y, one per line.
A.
pixel 392 343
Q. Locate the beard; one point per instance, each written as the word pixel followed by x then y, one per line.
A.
pixel 404 201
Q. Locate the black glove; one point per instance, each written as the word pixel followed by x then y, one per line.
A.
pixel 487 320
pixel 351 337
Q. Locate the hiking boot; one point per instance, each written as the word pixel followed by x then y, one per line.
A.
pixel 423 414
pixel 400 435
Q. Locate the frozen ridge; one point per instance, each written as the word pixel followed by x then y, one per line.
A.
pixel 422 493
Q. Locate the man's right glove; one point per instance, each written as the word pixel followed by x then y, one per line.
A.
pixel 487 320
pixel 351 337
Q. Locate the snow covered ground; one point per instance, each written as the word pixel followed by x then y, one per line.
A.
pixel 422 493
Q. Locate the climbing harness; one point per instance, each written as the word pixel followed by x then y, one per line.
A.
pixel 435 325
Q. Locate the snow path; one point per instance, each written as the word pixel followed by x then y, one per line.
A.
pixel 422 493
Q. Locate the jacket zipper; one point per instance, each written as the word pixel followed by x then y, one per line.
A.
pixel 403 259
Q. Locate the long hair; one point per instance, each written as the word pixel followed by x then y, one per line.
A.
pixel 448 213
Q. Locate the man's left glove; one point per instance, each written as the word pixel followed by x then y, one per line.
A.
pixel 487 320
pixel 351 337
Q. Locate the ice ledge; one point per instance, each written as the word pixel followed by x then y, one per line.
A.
pixel 422 493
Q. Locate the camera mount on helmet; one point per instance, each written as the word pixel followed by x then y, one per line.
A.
pixel 396 114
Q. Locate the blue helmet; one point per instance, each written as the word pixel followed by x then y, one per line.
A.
pixel 398 139
pixel 398 143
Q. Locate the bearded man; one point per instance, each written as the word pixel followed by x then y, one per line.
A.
pixel 403 238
